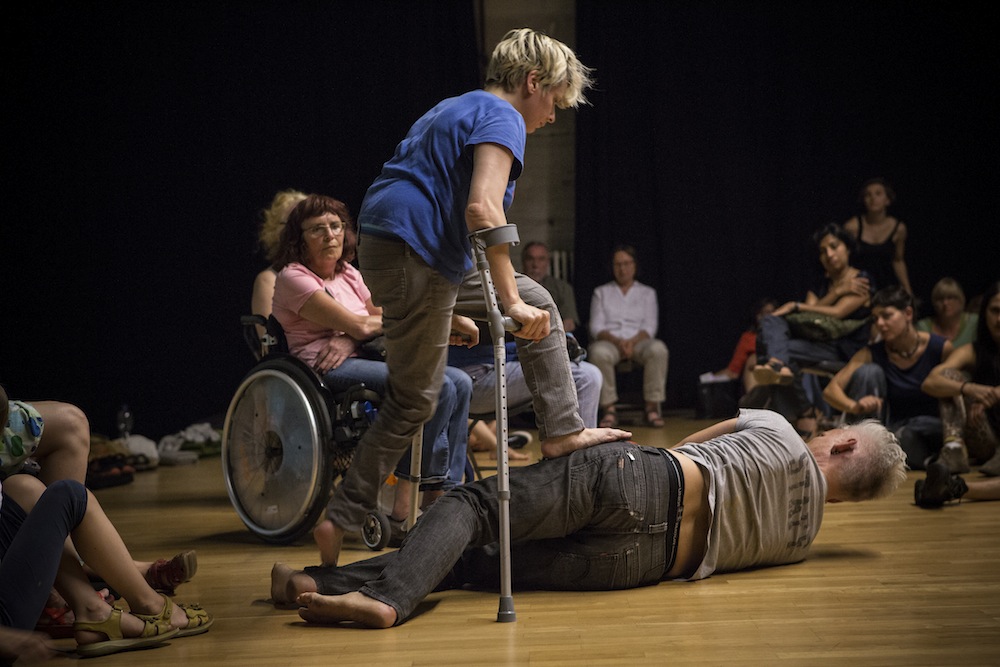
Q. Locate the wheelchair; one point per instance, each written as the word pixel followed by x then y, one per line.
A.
pixel 287 437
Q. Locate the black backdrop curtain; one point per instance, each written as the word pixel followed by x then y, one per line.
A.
pixel 141 142
pixel 722 134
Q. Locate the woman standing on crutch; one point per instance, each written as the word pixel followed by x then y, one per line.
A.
pixel 452 174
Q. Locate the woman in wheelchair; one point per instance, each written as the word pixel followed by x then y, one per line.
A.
pixel 326 310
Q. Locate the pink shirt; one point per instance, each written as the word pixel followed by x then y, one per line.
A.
pixel 293 287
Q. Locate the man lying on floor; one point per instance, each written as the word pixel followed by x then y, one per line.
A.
pixel 747 492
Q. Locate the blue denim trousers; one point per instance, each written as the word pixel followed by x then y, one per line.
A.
pixel 598 519
pixel 446 433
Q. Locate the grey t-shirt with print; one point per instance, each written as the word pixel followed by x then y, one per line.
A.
pixel 765 491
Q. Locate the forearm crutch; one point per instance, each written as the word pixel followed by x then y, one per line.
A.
pixel 498 325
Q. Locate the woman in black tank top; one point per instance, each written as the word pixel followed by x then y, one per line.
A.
pixel 881 238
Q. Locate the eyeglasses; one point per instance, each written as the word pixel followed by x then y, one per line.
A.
pixel 321 230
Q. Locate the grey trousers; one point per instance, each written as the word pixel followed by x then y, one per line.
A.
pixel 417 304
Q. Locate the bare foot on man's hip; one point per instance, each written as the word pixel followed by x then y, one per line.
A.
pixel 588 437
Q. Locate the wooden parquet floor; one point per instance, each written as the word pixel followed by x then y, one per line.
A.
pixel 886 584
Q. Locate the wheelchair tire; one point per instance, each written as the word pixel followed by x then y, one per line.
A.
pixel 376 531
pixel 274 450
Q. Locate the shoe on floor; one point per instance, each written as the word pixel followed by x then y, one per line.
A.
pixel 164 576
pixel 955 456
pixel 938 487
pixel 519 439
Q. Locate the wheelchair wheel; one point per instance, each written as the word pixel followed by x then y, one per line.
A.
pixel 274 451
pixel 376 531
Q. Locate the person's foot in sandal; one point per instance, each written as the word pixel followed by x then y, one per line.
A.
pixel 118 631
pixel 610 418
pixel 773 372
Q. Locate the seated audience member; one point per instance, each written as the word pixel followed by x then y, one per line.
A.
pixel 477 362
pixel 950 320
pixel 326 310
pixel 268 237
pixel 54 436
pixel 624 316
pixel 883 380
pixel 706 492
pixel 968 384
pixel 880 238
pixel 744 355
pixel 838 314
pixel 483 438
pixel 536 262
pixel 35 521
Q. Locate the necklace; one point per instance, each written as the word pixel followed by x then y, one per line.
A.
pixel 907 355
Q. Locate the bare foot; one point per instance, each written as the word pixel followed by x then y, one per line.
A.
pixel 588 437
pixel 287 584
pixel 349 607
pixel 329 538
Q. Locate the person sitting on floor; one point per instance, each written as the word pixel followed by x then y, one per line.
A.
pixel 840 305
pixel 35 521
pixel 950 320
pixel 884 378
pixel 624 316
pixel 968 384
pixel 744 493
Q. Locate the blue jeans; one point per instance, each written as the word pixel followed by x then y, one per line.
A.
pixel 920 436
pixel 597 519
pixel 31 547
pixel 586 379
pixel 445 433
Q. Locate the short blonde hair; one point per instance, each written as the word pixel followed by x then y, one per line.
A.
pixel 275 217
pixel 948 287
pixel 525 50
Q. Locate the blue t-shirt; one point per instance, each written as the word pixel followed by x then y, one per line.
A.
pixel 422 192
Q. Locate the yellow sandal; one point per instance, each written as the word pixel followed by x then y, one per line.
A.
pixel 198 619
pixel 153 633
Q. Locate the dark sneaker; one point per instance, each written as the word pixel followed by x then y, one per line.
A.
pixel 939 487
pixel 519 439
